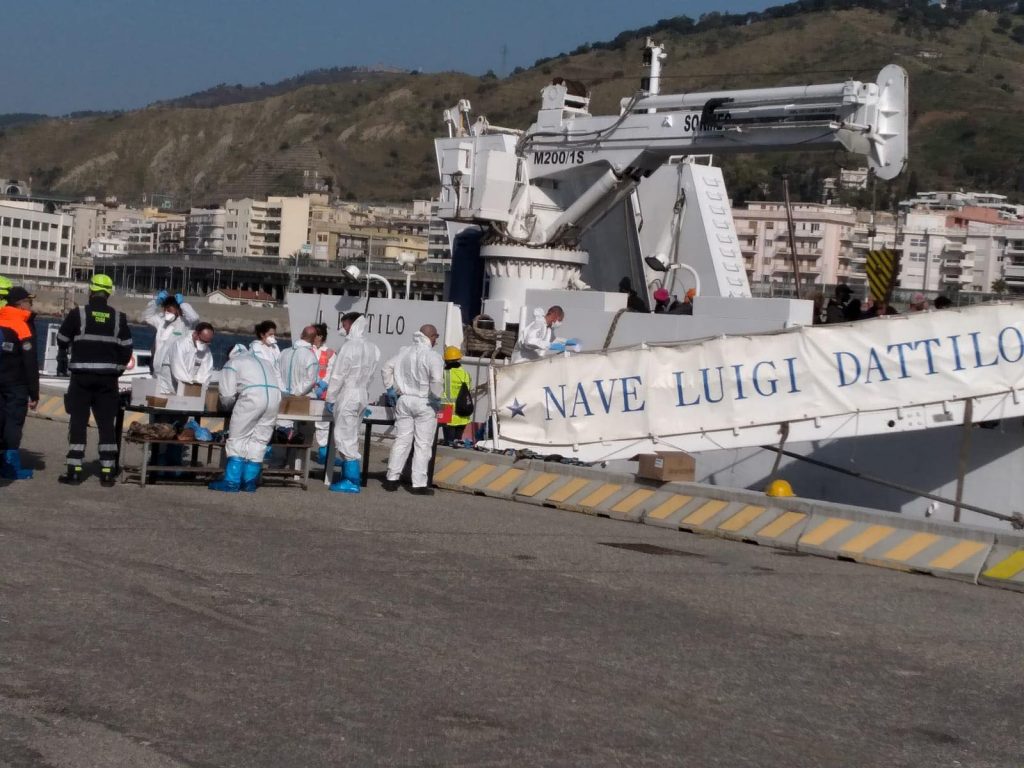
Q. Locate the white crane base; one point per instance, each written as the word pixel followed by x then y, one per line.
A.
pixel 512 270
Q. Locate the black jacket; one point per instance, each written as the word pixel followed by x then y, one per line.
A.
pixel 98 338
pixel 18 363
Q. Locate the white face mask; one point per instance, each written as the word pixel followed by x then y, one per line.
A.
pixel 270 340
pixel 170 317
pixel 202 346
pixel 556 323
pixel 344 333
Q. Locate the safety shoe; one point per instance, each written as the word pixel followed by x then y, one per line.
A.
pixel 390 485
pixel 421 491
pixel 107 478
pixel 73 476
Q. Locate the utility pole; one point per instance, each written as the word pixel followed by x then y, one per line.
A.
pixel 792 234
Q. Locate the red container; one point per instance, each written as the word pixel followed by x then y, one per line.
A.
pixel 444 416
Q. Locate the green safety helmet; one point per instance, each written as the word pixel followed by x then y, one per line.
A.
pixel 101 283
pixel 5 285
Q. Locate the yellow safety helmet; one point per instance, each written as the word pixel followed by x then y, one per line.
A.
pixel 779 488
pixel 452 353
pixel 101 283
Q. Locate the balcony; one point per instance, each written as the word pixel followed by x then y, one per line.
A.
pixel 1013 271
pixel 957 265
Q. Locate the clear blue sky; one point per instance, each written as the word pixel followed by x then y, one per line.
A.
pixel 67 55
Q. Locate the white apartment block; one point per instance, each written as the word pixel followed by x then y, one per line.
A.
pixel 204 231
pixel 954 201
pixel 34 243
pixel 275 228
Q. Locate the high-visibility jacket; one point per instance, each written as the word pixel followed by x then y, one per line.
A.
pixel 97 337
pixel 454 378
pixel 18 363
pixel 326 357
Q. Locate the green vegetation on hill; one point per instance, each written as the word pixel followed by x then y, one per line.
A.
pixel 372 136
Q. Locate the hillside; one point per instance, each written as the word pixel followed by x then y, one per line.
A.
pixel 372 137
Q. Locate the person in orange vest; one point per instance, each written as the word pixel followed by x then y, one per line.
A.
pixel 455 378
pixel 325 357
pixel 19 379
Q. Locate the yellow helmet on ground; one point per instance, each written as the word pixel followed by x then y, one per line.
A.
pixel 101 283
pixel 452 353
pixel 779 488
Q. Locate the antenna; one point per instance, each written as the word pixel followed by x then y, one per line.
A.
pixel 504 60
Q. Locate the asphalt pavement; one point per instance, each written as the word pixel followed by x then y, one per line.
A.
pixel 173 626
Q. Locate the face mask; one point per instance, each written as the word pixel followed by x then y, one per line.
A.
pixel 270 341
pixel 170 317
pixel 556 323
pixel 202 346
pixel 344 333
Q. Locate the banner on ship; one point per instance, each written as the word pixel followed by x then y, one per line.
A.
pixel 745 381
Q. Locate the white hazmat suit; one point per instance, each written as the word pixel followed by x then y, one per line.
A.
pixel 353 368
pixel 270 353
pixel 184 363
pixel 535 339
pixel 299 367
pixel 250 383
pixel 416 373
pixel 167 331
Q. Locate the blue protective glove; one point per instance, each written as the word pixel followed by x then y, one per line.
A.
pixel 329 409
pixel 321 387
pixel 391 397
pixel 161 297
pixel 180 298
pixel 557 346
pixel 572 342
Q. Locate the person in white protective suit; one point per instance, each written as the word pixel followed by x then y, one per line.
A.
pixel 172 318
pixel 537 339
pixel 265 344
pixel 347 396
pixel 416 377
pixel 298 366
pixel 251 385
pixel 189 360
pixel 326 357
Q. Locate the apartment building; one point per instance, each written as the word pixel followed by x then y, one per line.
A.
pixel 822 233
pixel 275 228
pixel 204 232
pixel 35 244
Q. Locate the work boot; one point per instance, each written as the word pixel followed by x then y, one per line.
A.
pixel 421 490
pixel 74 476
pixel 231 482
pixel 351 478
pixel 390 485
pixel 107 477
pixel 251 472
pixel 11 467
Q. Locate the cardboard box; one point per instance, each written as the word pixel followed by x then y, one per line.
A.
pixel 293 405
pixel 316 407
pixel 190 390
pixel 667 466
pixel 141 389
pixel 212 398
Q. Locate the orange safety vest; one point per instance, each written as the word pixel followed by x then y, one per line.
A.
pixel 16 319
pixel 325 360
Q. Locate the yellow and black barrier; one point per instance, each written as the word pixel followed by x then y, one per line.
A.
pixel 873 537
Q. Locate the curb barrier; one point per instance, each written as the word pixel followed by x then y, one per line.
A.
pixel 837 531
pixel 477 472
pixel 1004 567
pixel 892 541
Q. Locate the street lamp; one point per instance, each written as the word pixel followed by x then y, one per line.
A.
pixel 407 261
pixel 658 264
pixel 354 272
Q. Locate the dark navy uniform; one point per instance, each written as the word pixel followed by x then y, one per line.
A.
pixel 100 346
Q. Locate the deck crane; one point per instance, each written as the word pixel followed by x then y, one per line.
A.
pixel 537 193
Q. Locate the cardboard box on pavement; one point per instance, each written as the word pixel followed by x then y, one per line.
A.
pixel 667 466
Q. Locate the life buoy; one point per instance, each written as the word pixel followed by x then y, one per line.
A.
pixel 131 363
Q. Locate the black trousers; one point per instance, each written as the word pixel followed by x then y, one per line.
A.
pixel 13 410
pixel 97 393
pixel 451 433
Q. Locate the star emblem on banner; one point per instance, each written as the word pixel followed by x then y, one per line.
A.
pixel 517 408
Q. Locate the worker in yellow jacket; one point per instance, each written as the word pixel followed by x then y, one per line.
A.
pixel 455 377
